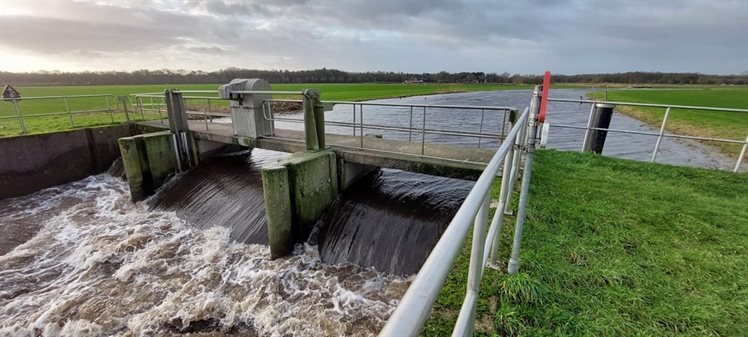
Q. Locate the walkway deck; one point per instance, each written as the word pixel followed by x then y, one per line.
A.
pixel 437 159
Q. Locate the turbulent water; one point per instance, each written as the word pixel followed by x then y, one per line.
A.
pixel 94 264
pixel 390 220
pixel 224 191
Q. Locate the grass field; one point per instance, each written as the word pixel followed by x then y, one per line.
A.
pixel 31 109
pixel 666 254
pixel 730 125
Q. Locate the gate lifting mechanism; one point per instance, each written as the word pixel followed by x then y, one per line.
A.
pixel 415 306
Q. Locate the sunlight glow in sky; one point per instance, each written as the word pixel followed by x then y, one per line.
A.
pixel 566 36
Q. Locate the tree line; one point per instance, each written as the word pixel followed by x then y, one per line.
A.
pixel 324 75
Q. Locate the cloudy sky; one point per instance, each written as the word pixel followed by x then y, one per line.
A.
pixel 566 36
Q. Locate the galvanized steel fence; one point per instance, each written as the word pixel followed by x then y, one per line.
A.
pixel 415 306
pixel 662 133
pixel 108 104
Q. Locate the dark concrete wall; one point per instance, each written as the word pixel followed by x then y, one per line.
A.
pixel 31 163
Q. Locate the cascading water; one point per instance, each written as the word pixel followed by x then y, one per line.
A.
pixel 224 191
pixel 82 260
pixel 94 264
pixel 390 220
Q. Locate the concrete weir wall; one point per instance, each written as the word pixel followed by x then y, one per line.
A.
pixel 148 160
pixel 34 162
pixel 297 190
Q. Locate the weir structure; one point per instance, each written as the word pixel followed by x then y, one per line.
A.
pixel 297 189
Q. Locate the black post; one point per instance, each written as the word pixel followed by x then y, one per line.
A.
pixel 600 119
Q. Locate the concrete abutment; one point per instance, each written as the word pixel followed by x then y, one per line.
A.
pixel 148 160
pixel 298 189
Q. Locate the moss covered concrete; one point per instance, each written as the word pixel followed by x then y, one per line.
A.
pixel 148 160
pixel 312 185
pixel 160 155
pixel 278 209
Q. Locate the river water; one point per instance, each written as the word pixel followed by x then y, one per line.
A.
pixel 620 145
pixel 82 260
pixel 99 265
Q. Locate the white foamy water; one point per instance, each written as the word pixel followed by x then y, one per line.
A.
pixel 102 266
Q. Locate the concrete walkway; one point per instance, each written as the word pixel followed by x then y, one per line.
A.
pixel 437 159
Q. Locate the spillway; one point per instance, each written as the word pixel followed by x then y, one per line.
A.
pixel 225 190
pixel 82 259
pixel 390 220
pixel 98 265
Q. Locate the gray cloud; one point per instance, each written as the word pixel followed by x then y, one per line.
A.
pixel 569 36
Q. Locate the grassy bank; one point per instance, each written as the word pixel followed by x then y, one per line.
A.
pixel 730 125
pixel 617 248
pixel 35 124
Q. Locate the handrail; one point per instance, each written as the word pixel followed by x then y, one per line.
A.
pixel 652 105
pixel 110 108
pixel 661 134
pixel 437 106
pixel 268 92
pixel 415 306
pixel 56 97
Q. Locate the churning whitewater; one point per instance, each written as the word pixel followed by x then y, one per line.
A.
pixel 99 265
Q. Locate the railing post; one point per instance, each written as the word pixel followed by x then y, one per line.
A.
pixel 109 108
pixel 480 131
pixel 142 110
pixel 70 115
pixel 503 126
pixel 205 115
pixel 361 121
pixel 742 154
pixel 423 133
pixel 124 100
pixel 532 126
pixel 410 132
pixel 588 129
pixel 659 137
pixel 20 118
pixel 504 195
pixel 466 319
pixel 516 160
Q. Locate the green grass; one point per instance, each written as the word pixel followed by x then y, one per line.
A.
pixel 35 124
pixel 617 248
pixel 730 125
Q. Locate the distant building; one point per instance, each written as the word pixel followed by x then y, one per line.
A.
pixel 412 81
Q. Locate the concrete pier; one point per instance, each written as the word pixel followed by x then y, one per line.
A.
pixel 297 190
pixel 148 160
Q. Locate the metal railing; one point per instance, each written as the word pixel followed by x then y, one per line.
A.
pixel 517 144
pixel 357 121
pixel 663 126
pixel 357 125
pixel 154 103
pixel 415 306
pixel 107 107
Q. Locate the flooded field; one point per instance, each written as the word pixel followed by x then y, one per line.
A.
pixel 620 145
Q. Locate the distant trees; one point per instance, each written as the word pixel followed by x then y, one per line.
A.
pixel 324 75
